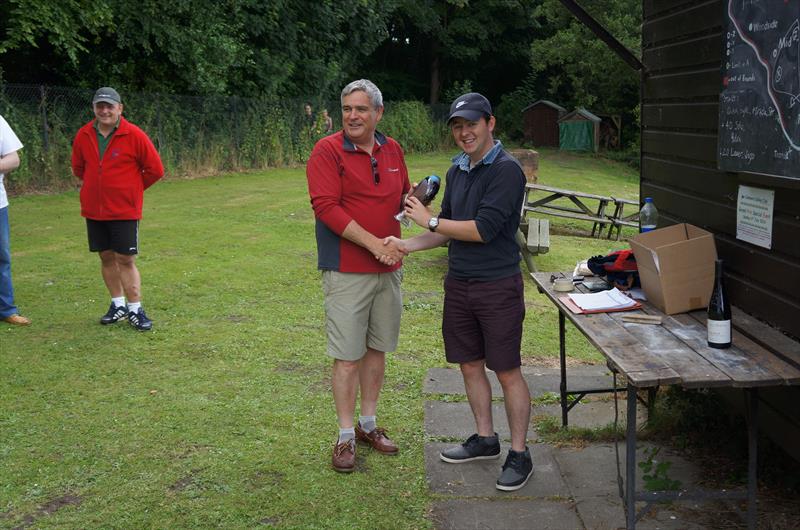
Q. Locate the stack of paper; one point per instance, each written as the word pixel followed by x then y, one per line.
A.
pixel 612 299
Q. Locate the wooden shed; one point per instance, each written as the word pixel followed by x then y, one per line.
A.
pixel 610 131
pixel 720 149
pixel 540 123
pixel 713 153
pixel 579 130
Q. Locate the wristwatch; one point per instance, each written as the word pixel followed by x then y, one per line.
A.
pixel 433 223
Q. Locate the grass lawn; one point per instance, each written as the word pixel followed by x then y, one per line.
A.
pixel 222 415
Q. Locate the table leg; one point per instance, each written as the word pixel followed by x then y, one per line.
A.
pixel 752 450
pixel 562 352
pixel 630 460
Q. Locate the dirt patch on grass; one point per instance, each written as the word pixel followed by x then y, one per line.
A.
pixel 324 384
pixel 266 478
pixel 291 367
pixel 48 508
pixel 551 362
pixel 184 482
pixel 191 450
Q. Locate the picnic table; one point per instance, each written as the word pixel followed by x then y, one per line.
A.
pixel 547 200
pixel 673 353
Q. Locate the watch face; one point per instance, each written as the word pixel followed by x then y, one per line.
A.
pixel 433 223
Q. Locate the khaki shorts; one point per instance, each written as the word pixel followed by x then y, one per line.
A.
pixel 362 311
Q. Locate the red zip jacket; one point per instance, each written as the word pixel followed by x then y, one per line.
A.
pixel 113 188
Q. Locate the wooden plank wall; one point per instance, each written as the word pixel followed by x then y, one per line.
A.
pixel 682 48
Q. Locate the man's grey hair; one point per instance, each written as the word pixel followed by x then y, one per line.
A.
pixel 365 85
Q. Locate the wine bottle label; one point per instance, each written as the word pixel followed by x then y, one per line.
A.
pixel 719 331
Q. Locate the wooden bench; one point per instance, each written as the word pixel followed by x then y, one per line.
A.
pixel 542 200
pixel 676 353
pixel 533 238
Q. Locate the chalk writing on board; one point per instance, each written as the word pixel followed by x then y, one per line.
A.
pixel 759 110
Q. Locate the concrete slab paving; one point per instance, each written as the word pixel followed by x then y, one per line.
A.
pixel 572 488
pixel 539 514
pixel 592 470
pixel 590 474
pixel 540 380
pixel 477 479
pixel 455 421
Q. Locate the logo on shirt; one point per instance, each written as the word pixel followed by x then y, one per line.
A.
pixel 393 169
pixel 114 153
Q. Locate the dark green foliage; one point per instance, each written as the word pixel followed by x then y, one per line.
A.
pixel 410 123
pixel 194 135
pixel 244 47
pixel 656 472
pixel 514 52
pixel 579 69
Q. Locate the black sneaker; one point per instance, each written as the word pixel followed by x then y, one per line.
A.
pixel 516 471
pixel 115 314
pixel 475 448
pixel 139 320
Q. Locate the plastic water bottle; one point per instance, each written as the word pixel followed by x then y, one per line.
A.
pixel 648 216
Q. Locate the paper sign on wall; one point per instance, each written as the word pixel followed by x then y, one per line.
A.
pixel 754 211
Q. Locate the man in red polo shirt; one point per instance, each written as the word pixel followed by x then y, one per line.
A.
pixel 357 179
pixel 115 162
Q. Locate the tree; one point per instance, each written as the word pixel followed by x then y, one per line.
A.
pixel 48 35
pixel 440 42
pixel 579 69
pixel 281 48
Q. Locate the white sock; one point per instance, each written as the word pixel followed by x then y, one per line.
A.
pixel 118 301
pixel 347 434
pixel 367 423
pixel 133 307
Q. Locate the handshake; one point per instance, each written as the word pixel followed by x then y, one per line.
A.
pixel 415 208
pixel 393 251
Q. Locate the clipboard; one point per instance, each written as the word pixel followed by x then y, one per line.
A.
pixel 572 306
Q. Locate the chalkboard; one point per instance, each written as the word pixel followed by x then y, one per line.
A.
pixel 759 106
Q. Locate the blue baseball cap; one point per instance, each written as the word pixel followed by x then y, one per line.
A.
pixel 471 106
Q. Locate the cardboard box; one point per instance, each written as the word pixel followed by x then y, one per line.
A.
pixel 676 267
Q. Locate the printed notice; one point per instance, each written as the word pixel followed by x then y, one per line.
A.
pixel 754 216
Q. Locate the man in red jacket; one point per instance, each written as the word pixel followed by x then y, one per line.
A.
pixel 357 179
pixel 116 162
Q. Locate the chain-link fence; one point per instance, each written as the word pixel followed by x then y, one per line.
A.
pixel 194 135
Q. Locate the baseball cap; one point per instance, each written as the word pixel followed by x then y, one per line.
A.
pixel 107 95
pixel 471 106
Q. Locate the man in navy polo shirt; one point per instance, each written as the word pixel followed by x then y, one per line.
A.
pixel 484 304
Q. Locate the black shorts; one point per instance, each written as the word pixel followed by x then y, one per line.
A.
pixel 483 320
pixel 120 236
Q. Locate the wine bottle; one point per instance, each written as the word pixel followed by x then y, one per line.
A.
pixel 425 191
pixel 719 312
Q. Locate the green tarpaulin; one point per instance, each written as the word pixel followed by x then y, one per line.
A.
pixel 576 135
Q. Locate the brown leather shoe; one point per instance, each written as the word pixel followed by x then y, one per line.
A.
pixel 344 456
pixel 377 439
pixel 17 320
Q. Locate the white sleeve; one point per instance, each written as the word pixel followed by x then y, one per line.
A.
pixel 8 140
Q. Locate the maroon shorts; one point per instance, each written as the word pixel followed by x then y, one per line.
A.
pixel 483 320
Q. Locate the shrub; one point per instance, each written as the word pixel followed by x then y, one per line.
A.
pixel 410 123
pixel 192 134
